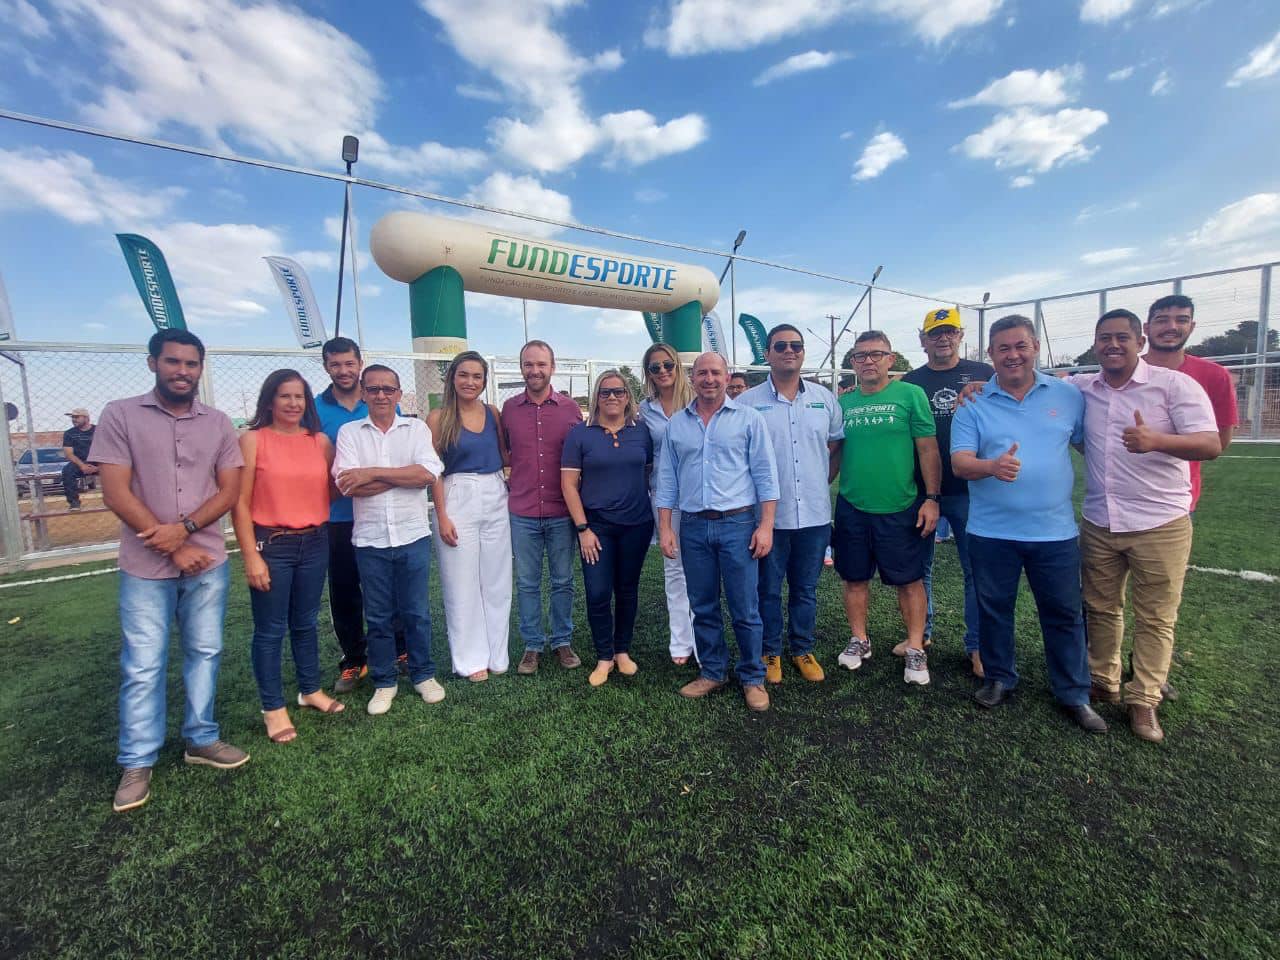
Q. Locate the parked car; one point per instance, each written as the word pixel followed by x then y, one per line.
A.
pixel 51 463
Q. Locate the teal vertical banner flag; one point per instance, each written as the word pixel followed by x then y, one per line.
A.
pixel 653 323
pixel 754 330
pixel 151 277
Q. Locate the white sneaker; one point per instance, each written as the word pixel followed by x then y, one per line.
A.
pixel 380 702
pixel 917 670
pixel 851 657
pixel 430 690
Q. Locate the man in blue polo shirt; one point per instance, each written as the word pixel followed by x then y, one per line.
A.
pixel 342 403
pixel 806 429
pixel 1014 449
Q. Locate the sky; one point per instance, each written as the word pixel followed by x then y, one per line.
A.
pixel 1005 146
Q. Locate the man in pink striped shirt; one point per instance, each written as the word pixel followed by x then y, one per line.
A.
pixel 1143 425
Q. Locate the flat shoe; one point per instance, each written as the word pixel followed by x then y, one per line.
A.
pixel 333 707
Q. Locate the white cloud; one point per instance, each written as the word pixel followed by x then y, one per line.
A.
pixel 1036 88
pixel 1104 11
pixel 1022 181
pixel 1246 219
pixel 1162 85
pixel 25 19
pixel 847 135
pixel 637 137
pixel 703 26
pixel 557 138
pixel 218 268
pixel 474 91
pixel 1036 141
pixel 523 195
pixel 1112 255
pixel 1124 73
pixel 650 195
pixel 266 77
pixel 67 185
pixel 617 323
pixel 1094 210
pixel 1263 62
pixel 799 63
pixel 93 325
pixel 882 150
pixel 1008 288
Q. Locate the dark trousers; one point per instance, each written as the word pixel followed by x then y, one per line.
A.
pixel 346 601
pixel 71 475
pixel 297 563
pixel 796 555
pixel 612 583
pixel 1053 573
pixel 395 581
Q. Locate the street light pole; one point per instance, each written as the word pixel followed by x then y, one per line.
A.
pixel 350 154
pixel 733 303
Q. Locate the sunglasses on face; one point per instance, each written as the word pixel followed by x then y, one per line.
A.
pixel 948 332
pixel 618 392
pixel 782 346
pixel 657 367
pixel 380 390
pixel 864 355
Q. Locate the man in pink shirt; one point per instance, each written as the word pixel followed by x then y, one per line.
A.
pixel 1142 426
pixel 536 422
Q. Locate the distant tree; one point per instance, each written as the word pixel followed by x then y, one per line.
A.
pixel 633 382
pixel 1243 339
pixel 1086 358
pixel 901 363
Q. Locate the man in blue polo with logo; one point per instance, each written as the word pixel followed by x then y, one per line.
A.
pixel 1014 449
pixel 806 429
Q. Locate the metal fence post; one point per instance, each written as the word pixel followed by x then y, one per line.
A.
pixel 982 332
pixel 1260 360
pixel 10 515
pixel 1039 330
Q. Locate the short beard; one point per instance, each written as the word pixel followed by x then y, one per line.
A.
pixel 167 394
pixel 1160 348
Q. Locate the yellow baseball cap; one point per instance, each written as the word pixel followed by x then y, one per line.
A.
pixel 943 317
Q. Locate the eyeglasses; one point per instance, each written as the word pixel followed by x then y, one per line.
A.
pixel 877 355
pixel 782 346
pixel 381 391
pixel 618 392
pixel 940 332
pixel 657 367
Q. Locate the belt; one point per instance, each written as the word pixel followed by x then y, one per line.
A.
pixel 268 534
pixel 721 514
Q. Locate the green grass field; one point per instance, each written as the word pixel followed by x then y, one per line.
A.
pixel 537 817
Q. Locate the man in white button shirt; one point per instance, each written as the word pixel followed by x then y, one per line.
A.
pixel 385 462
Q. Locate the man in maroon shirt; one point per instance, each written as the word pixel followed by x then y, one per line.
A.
pixel 536 423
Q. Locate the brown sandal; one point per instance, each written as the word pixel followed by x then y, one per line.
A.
pixel 283 735
pixel 334 706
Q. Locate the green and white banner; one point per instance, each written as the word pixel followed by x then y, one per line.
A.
pixel 151 277
pixel 754 330
pixel 653 323
pixel 713 335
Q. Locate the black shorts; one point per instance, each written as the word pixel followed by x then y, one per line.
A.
pixel 864 542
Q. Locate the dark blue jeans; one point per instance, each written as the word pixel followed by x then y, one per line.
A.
pixel 1053 573
pixel 612 583
pixel 956 512
pixel 394 581
pixel 297 564
pixel 796 555
pixel 718 552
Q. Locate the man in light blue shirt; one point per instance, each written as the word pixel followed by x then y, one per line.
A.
pixel 717 469
pixel 1014 449
pixel 806 428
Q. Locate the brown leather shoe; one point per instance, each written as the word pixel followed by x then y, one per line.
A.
pixel 1144 723
pixel 773 669
pixel 700 688
pixel 756 698
pixel 218 754
pixel 1100 694
pixel 134 789
pixel 528 663
pixel 568 659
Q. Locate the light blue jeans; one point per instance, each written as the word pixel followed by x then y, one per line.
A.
pixel 531 538
pixel 147 610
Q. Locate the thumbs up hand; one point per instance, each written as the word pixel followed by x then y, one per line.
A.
pixel 1140 438
pixel 1006 466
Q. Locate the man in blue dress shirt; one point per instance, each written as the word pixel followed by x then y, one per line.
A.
pixel 806 428
pixel 1014 449
pixel 717 468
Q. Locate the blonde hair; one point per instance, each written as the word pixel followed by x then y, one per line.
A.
pixel 631 410
pixel 450 416
pixel 683 395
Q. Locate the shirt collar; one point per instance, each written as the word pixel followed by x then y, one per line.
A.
pixel 1042 379
pixel 729 402
pixel 553 396
pixel 399 421
pixel 1141 374
pixel 773 388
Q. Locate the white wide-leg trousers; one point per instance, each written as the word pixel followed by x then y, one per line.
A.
pixel 679 615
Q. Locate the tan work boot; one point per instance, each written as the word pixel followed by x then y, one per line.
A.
pixel 700 688
pixel 756 698
pixel 134 789
pixel 1144 723
pixel 528 663
pixel 773 669
pixel 809 667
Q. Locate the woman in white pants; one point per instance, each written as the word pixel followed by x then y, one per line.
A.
pixel 669 391
pixel 473 528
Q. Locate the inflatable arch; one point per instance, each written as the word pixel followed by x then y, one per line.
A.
pixel 440 258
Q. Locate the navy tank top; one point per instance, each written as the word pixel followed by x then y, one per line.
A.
pixel 475 452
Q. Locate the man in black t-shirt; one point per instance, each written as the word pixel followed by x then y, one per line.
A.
pixel 942 378
pixel 75 447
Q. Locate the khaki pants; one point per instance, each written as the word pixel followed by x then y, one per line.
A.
pixel 1158 561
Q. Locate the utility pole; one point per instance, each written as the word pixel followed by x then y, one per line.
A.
pixel 832 318
pixel 350 154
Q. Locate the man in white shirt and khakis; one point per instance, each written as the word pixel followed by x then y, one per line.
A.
pixel 385 462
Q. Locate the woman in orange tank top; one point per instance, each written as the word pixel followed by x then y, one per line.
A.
pixel 280 522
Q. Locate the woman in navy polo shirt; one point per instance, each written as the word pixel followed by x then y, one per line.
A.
pixel 604 474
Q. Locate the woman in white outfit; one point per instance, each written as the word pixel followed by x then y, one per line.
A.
pixel 669 391
pixel 472 524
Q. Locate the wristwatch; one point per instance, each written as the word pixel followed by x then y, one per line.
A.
pixel 935 497
pixel 189 525
pixel 581 527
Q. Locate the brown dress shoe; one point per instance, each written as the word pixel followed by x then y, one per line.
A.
pixel 134 789
pixel 1144 724
pixel 568 659
pixel 1100 694
pixel 528 663
pixel 756 698
pixel 700 688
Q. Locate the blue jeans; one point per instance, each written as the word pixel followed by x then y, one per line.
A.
pixel 717 552
pixel 612 583
pixel 394 581
pixel 147 609
pixel 956 511
pixel 1053 573
pixel 797 555
pixel 297 564
pixel 531 537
